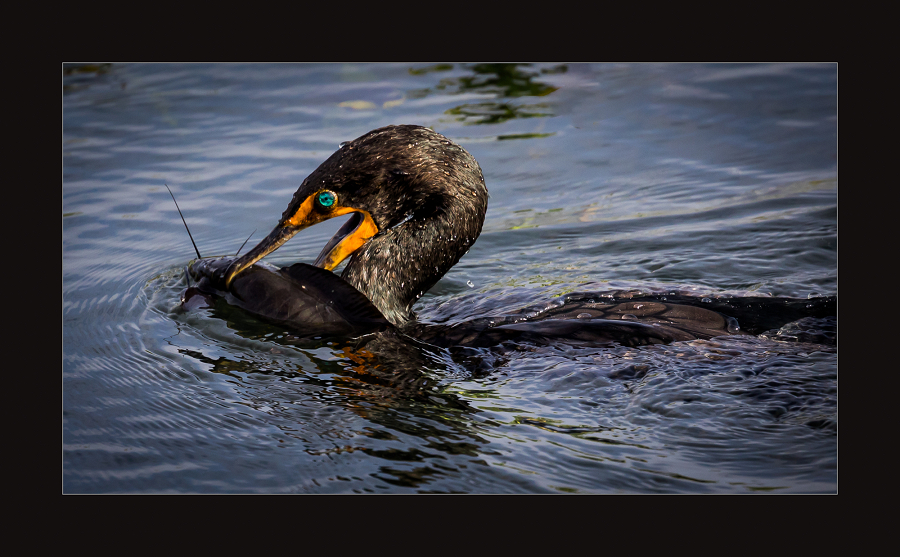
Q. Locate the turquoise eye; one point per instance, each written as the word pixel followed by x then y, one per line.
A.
pixel 326 199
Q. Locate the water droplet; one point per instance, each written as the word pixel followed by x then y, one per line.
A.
pixel 705 300
pixel 812 295
pixel 344 143
pixel 639 306
pixel 470 284
pixel 584 315
pixel 629 317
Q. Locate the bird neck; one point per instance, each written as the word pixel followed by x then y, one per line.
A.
pixel 399 265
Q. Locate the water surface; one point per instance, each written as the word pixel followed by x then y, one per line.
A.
pixel 710 179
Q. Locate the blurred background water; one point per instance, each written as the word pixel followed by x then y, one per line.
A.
pixel 709 178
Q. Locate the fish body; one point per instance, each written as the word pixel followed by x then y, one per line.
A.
pixel 304 298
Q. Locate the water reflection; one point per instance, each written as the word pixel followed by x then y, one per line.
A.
pixel 386 379
pixel 504 81
pixel 70 69
pixel 80 76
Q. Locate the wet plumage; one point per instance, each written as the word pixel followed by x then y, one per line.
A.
pixel 417 203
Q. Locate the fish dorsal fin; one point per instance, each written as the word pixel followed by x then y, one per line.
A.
pixel 352 304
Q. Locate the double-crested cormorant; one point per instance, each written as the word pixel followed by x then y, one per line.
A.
pixel 418 202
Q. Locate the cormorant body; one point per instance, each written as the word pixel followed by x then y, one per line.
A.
pixel 418 203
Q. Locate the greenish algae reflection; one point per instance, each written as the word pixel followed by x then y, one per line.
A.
pixel 504 81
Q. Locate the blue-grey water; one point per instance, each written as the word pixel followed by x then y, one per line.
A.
pixel 713 179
